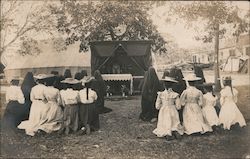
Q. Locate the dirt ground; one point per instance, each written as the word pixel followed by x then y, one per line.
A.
pixel 123 135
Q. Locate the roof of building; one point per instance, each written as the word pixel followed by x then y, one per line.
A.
pixel 50 57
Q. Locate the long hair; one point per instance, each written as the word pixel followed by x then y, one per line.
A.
pixel 229 83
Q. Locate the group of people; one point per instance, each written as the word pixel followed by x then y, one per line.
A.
pixel 52 103
pixel 187 109
pixel 49 103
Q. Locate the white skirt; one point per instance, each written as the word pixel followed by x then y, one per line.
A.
pixel 230 115
pixel 193 120
pixel 37 117
pixel 210 115
pixel 168 121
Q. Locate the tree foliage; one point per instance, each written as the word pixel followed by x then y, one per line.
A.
pixel 107 20
pixel 213 13
pixel 35 18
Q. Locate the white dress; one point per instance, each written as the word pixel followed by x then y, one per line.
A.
pixel 55 114
pixel 209 112
pixel 193 120
pixel 229 113
pixel 168 118
pixel 38 111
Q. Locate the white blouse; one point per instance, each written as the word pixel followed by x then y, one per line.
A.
pixel 37 92
pixel 168 98
pixel 83 96
pixel 209 100
pixel 227 95
pixel 52 95
pixel 14 93
pixel 69 96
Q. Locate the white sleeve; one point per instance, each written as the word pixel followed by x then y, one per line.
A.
pixel 32 95
pixel 158 103
pixel 7 96
pixel 20 97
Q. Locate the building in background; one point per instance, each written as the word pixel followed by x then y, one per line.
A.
pixel 49 59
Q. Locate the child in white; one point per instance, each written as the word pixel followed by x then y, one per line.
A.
pixel 229 113
pixel 209 112
pixel 168 119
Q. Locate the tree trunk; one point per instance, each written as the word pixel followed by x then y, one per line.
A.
pixel 216 60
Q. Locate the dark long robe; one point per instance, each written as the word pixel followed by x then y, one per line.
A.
pixel 100 89
pixel 27 85
pixel 150 88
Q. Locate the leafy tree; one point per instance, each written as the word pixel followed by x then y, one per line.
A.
pixel 36 18
pixel 107 20
pixel 215 14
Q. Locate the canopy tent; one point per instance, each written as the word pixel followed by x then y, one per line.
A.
pixel 132 57
pixel 236 64
pixel 120 62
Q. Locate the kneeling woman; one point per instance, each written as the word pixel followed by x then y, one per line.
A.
pixel 87 98
pixel 70 100
pixel 192 99
pixel 15 110
pixel 39 108
pixel 168 102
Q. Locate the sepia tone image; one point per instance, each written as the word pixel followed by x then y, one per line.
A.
pixel 124 79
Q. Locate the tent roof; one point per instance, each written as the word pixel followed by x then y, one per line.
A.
pixel 49 57
pixel 132 48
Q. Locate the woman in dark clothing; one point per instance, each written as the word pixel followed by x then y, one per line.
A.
pixel 27 85
pixel 150 88
pixel 67 74
pixel 179 87
pixel 199 73
pixel 100 89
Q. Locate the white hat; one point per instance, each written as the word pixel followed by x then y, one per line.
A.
pixel 169 79
pixel 70 81
pixel 43 76
pixel 191 77
pixel 87 79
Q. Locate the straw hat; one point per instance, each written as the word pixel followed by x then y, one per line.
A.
pixel 87 79
pixel 191 77
pixel 70 81
pixel 169 79
pixel 43 76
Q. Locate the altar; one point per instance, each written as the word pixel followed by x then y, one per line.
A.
pixel 120 77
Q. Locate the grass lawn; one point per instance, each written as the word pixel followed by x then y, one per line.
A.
pixel 123 135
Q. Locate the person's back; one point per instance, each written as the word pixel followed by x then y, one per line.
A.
pixel 92 96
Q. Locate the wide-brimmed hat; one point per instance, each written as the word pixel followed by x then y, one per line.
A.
pixel 70 81
pixel 87 79
pixel 43 76
pixel 191 77
pixel 168 79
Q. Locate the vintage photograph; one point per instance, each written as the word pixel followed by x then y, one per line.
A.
pixel 123 79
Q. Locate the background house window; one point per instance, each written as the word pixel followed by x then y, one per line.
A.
pixel 232 52
pixel 248 50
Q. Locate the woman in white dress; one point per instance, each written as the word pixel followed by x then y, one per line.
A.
pixel 70 99
pixel 209 102
pixel 168 102
pixel 55 114
pixel 39 107
pixel 229 113
pixel 192 100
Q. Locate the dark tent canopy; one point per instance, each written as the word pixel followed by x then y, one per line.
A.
pixel 133 57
